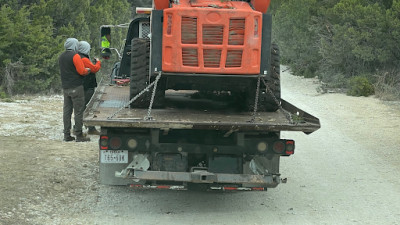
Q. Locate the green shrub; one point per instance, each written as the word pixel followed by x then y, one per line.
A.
pixel 3 95
pixel 360 86
pixel 308 73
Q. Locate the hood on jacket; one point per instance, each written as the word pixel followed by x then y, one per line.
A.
pixel 84 48
pixel 71 44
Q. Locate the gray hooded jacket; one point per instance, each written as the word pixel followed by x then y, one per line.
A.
pixel 71 44
pixel 70 77
pixel 84 47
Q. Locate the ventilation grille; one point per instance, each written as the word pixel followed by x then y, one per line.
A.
pixel 213 34
pixel 234 58
pixel 212 57
pixel 211 44
pixel 189 57
pixel 144 30
pixel 189 30
pixel 169 24
pixel 236 31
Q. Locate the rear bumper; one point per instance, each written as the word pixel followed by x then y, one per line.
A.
pixel 203 177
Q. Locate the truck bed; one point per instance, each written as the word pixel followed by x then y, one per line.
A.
pixel 182 111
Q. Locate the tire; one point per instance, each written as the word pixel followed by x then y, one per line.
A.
pixel 139 77
pixel 267 103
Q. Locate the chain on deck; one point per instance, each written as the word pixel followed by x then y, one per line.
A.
pixel 148 117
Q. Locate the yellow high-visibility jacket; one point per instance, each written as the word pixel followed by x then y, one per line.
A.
pixel 104 42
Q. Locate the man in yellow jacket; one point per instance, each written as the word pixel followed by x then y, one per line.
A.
pixel 105 46
pixel 105 41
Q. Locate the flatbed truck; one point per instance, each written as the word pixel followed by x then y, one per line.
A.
pixel 192 142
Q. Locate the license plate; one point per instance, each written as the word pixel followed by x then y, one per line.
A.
pixel 114 156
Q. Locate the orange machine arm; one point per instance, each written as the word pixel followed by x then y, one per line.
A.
pixel 261 5
pixel 161 4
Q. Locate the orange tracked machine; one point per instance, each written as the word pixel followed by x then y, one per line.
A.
pixel 206 45
pixel 212 37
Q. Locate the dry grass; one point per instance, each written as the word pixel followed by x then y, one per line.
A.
pixel 10 72
pixel 387 86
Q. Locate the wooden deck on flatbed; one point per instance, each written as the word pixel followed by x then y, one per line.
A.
pixel 184 112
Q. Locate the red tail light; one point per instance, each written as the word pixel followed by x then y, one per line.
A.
pixel 289 147
pixel 115 143
pixel 104 142
pixel 278 147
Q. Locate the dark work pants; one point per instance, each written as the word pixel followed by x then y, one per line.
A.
pixel 88 95
pixel 74 101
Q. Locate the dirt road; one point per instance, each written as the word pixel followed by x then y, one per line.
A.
pixel 345 173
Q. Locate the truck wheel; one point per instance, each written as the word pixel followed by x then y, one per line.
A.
pixel 267 103
pixel 140 53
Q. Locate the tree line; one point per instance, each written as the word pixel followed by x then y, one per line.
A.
pixel 346 43
pixel 32 35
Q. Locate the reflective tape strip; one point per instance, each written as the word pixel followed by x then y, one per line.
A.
pixel 169 187
pixel 238 188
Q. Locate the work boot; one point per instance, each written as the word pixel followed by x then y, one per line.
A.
pixel 68 137
pixel 93 131
pixel 82 138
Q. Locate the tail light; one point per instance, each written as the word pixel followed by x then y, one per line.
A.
pixel 262 146
pixel 132 143
pixel 279 147
pixel 289 147
pixel 283 147
pixel 104 142
pixel 115 143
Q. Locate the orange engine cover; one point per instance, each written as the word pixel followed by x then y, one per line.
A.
pixel 207 36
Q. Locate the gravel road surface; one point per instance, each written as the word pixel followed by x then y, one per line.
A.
pixel 345 173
